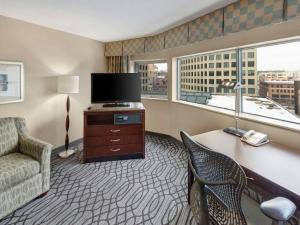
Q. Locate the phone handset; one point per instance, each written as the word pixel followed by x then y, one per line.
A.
pixel 255 138
pixel 248 134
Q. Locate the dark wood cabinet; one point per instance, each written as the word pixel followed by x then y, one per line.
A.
pixel 106 139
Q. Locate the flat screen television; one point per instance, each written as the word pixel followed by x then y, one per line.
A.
pixel 115 87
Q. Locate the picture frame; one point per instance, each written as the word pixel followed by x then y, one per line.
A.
pixel 11 82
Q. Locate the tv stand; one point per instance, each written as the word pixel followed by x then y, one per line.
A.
pixel 114 133
pixel 116 104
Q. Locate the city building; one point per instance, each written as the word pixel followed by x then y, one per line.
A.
pixel 153 79
pixel 297 96
pixel 278 86
pixel 275 75
pixel 203 73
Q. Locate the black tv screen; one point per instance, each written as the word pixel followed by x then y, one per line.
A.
pixel 116 87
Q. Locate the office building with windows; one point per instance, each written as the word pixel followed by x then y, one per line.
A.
pixel 204 73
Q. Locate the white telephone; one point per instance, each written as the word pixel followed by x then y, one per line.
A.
pixel 255 138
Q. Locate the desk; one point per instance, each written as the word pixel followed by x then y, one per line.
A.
pixel 274 167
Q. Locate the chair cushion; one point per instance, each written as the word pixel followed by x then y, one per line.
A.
pixel 16 168
pixel 8 136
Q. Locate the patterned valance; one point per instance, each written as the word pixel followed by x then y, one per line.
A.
pixel 177 36
pixel 293 8
pixel 134 46
pixel 248 14
pixel 238 16
pixel 206 27
pixel 155 43
pixel 113 49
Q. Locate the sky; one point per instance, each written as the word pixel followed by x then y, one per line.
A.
pixel 279 57
pixel 161 66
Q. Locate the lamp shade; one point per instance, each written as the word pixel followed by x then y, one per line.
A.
pixel 68 84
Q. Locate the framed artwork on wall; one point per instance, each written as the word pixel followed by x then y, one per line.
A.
pixel 11 82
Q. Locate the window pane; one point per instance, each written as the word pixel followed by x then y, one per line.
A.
pixel 271 73
pixel 154 77
pixel 202 84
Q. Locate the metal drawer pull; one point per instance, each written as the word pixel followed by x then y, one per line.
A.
pixel 115 140
pixel 115 149
pixel 114 131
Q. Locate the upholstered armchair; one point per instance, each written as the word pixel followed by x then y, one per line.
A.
pixel 24 165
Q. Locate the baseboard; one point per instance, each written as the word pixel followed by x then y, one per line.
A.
pixel 72 144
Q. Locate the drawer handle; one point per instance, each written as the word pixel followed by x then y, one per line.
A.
pixel 115 149
pixel 115 131
pixel 115 140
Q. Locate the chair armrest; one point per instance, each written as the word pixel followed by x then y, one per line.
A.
pixel 41 151
pixel 278 209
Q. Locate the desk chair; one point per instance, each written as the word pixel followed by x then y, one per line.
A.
pixel 215 195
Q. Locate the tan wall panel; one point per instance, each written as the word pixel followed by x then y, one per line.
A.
pixel 47 53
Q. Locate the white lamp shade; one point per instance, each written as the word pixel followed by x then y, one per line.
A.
pixel 68 84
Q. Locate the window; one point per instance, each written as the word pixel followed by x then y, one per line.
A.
pixel 275 69
pixel 211 57
pixel 251 81
pixel 209 91
pixel 154 75
pixel 251 63
pixel 226 56
pixel 270 77
pixel 251 55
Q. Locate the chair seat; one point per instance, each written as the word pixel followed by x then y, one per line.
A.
pixel 15 168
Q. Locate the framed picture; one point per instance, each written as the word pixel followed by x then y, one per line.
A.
pixel 11 82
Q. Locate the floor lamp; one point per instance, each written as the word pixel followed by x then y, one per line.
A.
pixel 67 85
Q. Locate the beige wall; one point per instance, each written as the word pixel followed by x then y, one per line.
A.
pixel 47 53
pixel 170 117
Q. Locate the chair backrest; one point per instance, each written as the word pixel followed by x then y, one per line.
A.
pixel 224 181
pixel 8 136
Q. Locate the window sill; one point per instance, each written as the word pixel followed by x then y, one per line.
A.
pixel 153 98
pixel 245 116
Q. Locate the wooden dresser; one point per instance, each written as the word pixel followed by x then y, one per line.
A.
pixel 114 133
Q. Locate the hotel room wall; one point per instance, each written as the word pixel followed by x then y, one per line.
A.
pixel 169 116
pixel 47 53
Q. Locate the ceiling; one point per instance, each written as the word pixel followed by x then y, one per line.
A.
pixel 109 20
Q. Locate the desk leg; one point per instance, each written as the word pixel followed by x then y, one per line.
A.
pixel 190 182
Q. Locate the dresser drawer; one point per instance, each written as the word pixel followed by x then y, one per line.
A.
pixel 106 130
pixel 113 150
pixel 113 140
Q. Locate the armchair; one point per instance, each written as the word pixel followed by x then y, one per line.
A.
pixel 24 165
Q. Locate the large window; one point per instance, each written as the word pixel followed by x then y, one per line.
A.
pixel 201 85
pixel 154 78
pixel 276 68
pixel 268 75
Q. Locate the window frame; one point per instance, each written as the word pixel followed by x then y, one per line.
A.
pixel 149 61
pixel 240 50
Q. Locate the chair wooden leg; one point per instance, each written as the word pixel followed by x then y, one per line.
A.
pixel 190 182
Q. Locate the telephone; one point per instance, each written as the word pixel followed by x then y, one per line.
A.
pixel 255 138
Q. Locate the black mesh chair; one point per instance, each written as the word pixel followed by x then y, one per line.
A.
pixel 215 195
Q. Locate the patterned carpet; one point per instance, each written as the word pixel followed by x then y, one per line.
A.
pixel 141 191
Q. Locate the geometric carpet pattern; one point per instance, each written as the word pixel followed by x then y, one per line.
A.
pixel 128 192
